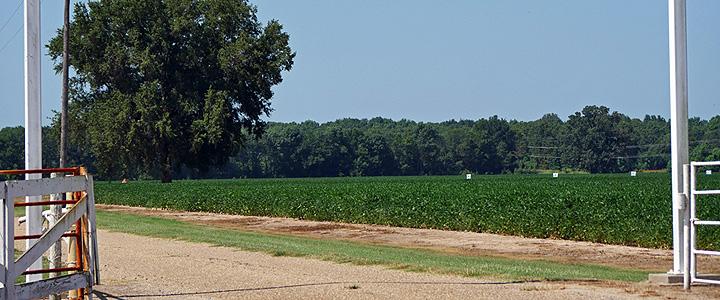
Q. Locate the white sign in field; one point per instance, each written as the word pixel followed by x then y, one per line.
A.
pixel 468 176
pixel 708 172
pixel 633 173
pixel 556 175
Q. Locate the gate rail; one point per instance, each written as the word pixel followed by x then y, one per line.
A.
pixel 691 223
pixel 78 222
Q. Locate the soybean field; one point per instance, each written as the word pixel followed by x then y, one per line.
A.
pixel 606 208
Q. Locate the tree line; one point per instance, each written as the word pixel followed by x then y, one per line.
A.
pixel 594 140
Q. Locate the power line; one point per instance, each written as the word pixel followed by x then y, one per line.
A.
pixel 642 156
pixel 12 15
pixel 542 156
pixel 542 147
pixel 646 146
pixel 616 157
pixel 11 39
pixel 633 146
pixel 19 28
pixel 708 140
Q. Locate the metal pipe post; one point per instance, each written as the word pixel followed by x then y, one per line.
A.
pixel 693 228
pixel 686 226
pixel 678 122
pixel 33 119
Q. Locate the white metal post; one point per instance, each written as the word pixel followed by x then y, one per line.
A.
pixel 678 122
pixel 693 229
pixel 33 119
pixel 687 193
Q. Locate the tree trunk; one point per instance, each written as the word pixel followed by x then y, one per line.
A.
pixel 166 171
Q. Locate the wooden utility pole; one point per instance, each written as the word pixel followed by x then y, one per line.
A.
pixel 56 259
pixel 64 99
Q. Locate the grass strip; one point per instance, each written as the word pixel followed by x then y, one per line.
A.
pixel 417 260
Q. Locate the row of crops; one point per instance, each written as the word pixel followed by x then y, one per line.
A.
pixel 615 209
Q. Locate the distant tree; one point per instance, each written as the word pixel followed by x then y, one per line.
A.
pixel 461 150
pixel 700 146
pixel 12 148
pixel 595 141
pixel 166 83
pixel 498 145
pixel 539 142
pixel 652 138
pixel 332 152
pixel 712 139
pixel 12 145
pixel 374 157
pixel 291 152
pixel 429 145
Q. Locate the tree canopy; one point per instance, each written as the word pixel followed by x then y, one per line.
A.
pixel 165 84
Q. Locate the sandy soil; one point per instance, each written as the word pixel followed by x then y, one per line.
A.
pixel 469 243
pixel 136 267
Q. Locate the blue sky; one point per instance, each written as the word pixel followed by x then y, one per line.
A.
pixel 462 59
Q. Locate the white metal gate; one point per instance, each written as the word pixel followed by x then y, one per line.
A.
pixel 78 222
pixel 692 222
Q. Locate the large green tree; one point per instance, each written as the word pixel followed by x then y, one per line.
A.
pixel 595 141
pixel 12 143
pixel 161 84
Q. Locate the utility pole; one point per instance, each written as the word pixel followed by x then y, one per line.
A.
pixel 64 100
pixel 56 258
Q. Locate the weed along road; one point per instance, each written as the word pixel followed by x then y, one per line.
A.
pixel 142 262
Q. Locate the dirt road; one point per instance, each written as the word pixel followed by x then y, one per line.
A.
pixel 136 267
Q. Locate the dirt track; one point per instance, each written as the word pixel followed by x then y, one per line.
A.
pixel 165 269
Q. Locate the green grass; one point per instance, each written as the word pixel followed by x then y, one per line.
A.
pixel 361 254
pixel 45 265
pixel 20 211
pixel 612 209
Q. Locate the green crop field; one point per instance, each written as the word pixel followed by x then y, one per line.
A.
pixel 615 209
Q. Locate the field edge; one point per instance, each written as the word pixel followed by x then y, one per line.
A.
pixel 402 258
